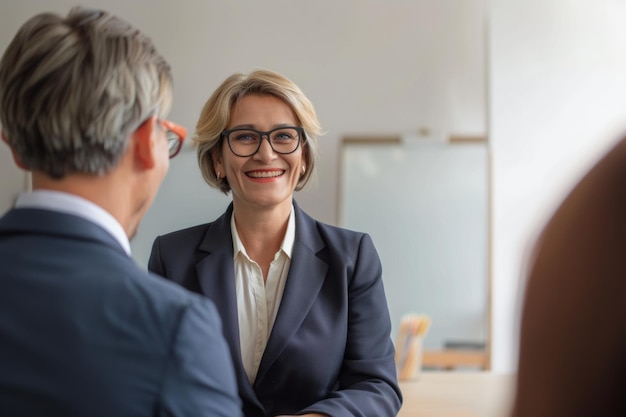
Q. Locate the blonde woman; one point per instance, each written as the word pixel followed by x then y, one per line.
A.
pixel 302 302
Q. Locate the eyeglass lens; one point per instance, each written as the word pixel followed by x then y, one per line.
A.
pixel 246 142
pixel 174 143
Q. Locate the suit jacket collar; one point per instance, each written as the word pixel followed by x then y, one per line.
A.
pixel 40 221
pixel 216 276
pixel 304 281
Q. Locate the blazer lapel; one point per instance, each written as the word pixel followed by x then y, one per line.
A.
pixel 216 276
pixel 306 276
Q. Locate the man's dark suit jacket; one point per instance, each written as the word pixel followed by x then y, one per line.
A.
pixel 84 331
pixel 330 349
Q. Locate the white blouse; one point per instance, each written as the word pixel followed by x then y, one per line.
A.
pixel 257 304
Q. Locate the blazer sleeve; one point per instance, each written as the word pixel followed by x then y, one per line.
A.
pixel 154 262
pixel 367 384
pixel 199 378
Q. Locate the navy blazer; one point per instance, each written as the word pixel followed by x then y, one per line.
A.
pixel 85 331
pixel 330 349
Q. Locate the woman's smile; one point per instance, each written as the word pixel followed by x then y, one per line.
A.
pixel 265 173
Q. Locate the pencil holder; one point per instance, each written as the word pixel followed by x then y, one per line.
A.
pixel 411 366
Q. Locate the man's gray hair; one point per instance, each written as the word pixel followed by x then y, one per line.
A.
pixel 73 89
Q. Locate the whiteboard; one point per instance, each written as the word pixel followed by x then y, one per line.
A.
pixel 424 203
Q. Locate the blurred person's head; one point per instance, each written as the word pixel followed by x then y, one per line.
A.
pixel 217 113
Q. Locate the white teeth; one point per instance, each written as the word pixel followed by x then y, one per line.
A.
pixel 265 174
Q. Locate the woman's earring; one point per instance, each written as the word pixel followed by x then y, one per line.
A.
pixel 218 176
pixel 303 169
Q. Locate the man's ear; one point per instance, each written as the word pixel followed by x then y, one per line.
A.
pixel 144 144
pixel 16 157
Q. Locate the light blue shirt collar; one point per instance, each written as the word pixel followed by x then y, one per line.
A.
pixel 77 206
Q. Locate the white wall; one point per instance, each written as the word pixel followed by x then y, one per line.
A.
pixel 557 101
pixel 11 179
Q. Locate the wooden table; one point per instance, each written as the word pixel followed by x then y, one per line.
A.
pixel 457 394
pixel 449 359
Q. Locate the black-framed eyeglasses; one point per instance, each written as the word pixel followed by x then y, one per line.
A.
pixel 245 141
pixel 175 135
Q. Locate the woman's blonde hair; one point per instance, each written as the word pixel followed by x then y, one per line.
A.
pixel 216 113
